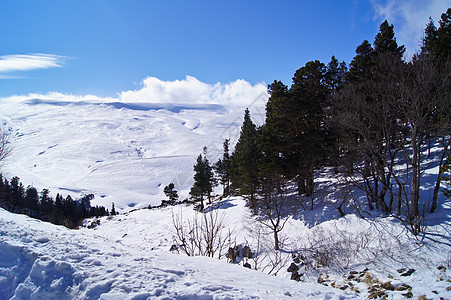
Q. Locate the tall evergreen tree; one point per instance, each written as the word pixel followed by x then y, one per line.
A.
pixel 429 42
pixel 360 67
pixel 222 168
pixel 244 160
pixel 204 180
pixel 32 200
pixel 385 41
pixel 309 138
pixel 443 46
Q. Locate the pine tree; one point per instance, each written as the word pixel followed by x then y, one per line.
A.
pixel 113 210
pixel 204 180
pixel 430 38
pixel 222 168
pixel 310 93
pixel 46 203
pixel 171 193
pixel 444 36
pixel 244 174
pixel 360 67
pixel 31 200
pixel 385 41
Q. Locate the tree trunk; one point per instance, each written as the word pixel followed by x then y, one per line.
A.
pixel 439 176
pixel 416 144
pixel 276 240
pixel 301 186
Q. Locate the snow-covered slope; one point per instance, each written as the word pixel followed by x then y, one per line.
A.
pixel 122 152
pixel 43 261
pixel 126 153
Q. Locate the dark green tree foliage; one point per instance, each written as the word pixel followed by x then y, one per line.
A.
pixel 443 45
pixel 222 168
pixel 113 210
pixel 335 79
pixel 385 41
pixel 32 200
pixel 204 180
pixel 335 75
pixel 437 42
pixel 244 160
pixel 360 66
pixel 171 193
pixel 430 38
pixel 67 212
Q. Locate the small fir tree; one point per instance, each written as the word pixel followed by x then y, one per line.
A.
pixel 171 193
pixel 204 180
pixel 222 168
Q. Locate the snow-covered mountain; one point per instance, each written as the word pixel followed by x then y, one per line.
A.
pixel 126 153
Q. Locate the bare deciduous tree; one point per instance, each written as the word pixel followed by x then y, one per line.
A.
pixel 274 189
pixel 205 234
pixel 5 146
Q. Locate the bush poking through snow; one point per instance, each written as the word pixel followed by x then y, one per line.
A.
pixel 205 234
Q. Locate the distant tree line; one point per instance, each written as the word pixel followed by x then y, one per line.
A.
pixel 15 198
pixel 364 121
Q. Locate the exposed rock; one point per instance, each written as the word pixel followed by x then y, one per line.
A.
pixel 247 252
pixel 403 287
pixel 293 268
pixel 408 273
pixel 408 295
pixel 232 253
pixel 247 265
pixel 388 286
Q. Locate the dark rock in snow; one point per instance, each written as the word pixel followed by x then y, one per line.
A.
pixel 247 265
pixel 247 252
pixel 293 268
pixel 408 273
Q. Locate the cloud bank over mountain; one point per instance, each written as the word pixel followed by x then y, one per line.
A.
pixel 191 90
pixel 187 91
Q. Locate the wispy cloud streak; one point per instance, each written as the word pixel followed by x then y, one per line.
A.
pixel 29 62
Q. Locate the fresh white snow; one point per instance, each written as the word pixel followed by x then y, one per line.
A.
pixel 126 153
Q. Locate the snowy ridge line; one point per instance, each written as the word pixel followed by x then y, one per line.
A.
pixel 143 106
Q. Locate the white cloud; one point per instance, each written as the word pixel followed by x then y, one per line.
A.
pixel 409 18
pixel 28 62
pixel 188 91
pixel 191 90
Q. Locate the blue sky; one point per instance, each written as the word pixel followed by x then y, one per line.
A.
pixel 110 48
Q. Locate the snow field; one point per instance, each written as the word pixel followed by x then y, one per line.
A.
pixel 40 260
pixel 126 153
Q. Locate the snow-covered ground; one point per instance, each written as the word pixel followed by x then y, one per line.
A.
pixel 126 258
pixel 126 153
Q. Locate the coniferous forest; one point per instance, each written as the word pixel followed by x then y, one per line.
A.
pixel 61 211
pixel 361 121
